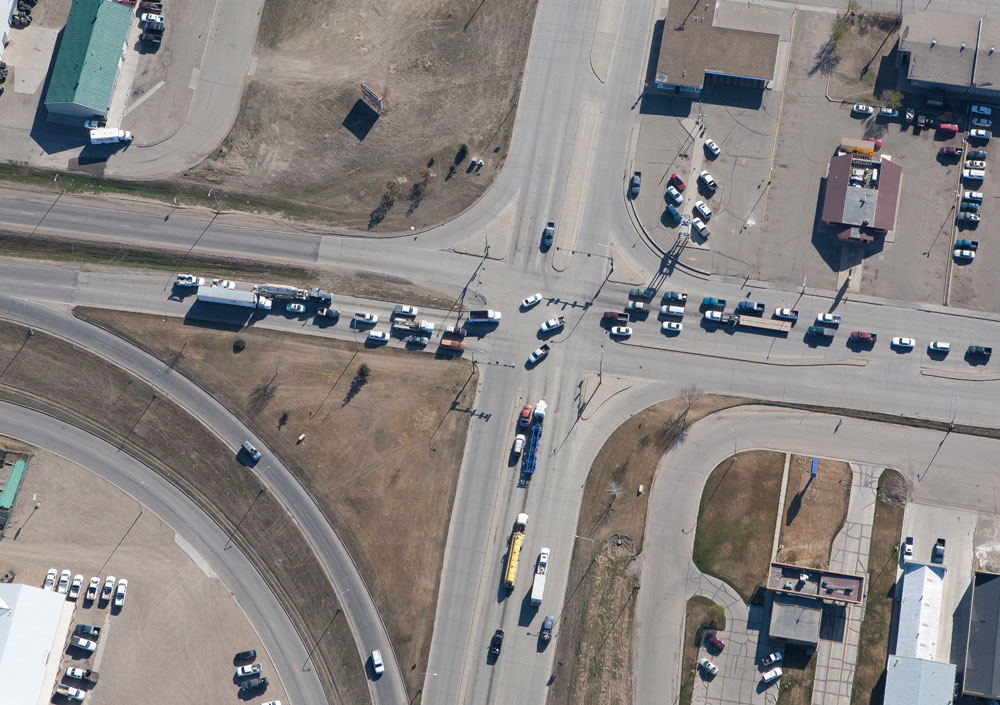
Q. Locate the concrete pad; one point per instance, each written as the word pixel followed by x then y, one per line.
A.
pixel 29 56
pixel 497 234
pixel 602 48
pixel 576 181
pixel 624 271
pixel 126 74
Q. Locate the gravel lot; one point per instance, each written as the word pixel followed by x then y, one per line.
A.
pixel 176 619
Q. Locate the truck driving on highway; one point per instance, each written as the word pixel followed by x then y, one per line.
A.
pixel 514 553
pixel 538 586
pixel 820 331
pixel 232 297
pixel 712 302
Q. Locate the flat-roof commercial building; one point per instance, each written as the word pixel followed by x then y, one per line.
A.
pixel 799 596
pixel 982 667
pixel 917 681
pixel 951 53
pixel 694 51
pixel 89 58
pixel 862 195
pixel 34 624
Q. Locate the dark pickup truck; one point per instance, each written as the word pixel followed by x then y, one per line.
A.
pixel 755 308
pixel 253 684
pixel 616 317
pixel 712 302
pixel 980 351
pixel 820 331
pixel 861 336
pixel 638 294
pixel 87 630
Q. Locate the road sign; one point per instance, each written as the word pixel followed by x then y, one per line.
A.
pixel 373 97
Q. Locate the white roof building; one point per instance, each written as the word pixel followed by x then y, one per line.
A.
pixel 917 681
pixel 32 632
pixel 920 611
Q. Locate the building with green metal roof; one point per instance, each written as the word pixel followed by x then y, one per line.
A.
pixel 90 55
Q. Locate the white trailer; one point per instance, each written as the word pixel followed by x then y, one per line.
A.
pixel 108 135
pixel 232 297
pixel 538 586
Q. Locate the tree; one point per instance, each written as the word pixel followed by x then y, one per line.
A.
pixel 364 370
pixel 238 345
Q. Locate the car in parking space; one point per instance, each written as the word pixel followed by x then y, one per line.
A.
pixel 975 164
pixel 671 327
pixel 939 346
pixel 248 655
pixel 963 243
pixel 789 314
pixel 982 110
pixel 403 311
pixel 677 182
pixel 709 668
pixel 982 122
pixel 252 669
pixel 675 195
pixel 970 206
pixel 908 548
pixel 976 154
pixel 496 643
pixel 621 332
pixel 377 666
pixel 525 419
pixel 295 308
pixel 950 151
pixel 418 340
pixel 120 592
pixel 714 642
pixel 714 316
pixel 712 148
pixel 78 673
pixel 888 113
pixel 250 450
pixel 964 254
pixel 539 354
pixel 973 174
pixel 363 317
pixel 377 336
pixel 862 109
pixel 975 196
pixel 970 218
pixel 674 213
pixel 531 301
pixel 902 343
pixel 948 128
pixel 81 643
pixel 92 588
pixel 64 578
pixel 699 227
pixel 771 676
pixel 74 590
pixel 88 630
pixel 876 140
pixel 50 579
pixel 771 659
pixel 709 182
pixel 95 124
pixel 984 135
pixel 678 296
pixel 703 210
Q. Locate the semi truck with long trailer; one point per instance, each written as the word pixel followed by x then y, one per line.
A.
pixel 538 586
pixel 514 553
pixel 233 297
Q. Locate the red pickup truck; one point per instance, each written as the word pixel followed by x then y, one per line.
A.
pixel 616 317
pixel 863 336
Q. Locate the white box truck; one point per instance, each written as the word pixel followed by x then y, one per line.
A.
pixel 538 587
pixel 108 135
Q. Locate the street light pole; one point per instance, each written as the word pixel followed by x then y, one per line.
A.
pixel 732 433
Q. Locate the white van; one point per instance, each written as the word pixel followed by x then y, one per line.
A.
pixel 974 174
pixel 677 311
pixel 108 135
pixel 974 196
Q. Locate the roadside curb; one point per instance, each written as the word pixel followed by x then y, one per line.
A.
pixel 757 359
pixel 961 376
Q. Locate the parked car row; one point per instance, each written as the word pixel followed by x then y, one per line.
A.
pixel 701 211
pixel 60 582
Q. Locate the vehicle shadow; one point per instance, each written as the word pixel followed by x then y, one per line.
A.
pixel 528 610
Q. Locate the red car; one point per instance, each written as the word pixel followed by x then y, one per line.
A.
pixel 876 140
pixel 948 127
pixel 862 336
pixel 616 316
pixel 525 415
pixel 950 151
pixel 714 642
pixel 677 182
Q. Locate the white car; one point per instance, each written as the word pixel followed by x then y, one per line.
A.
pixel 974 174
pixel 862 109
pixel 538 355
pixel 939 346
pixel 295 308
pixel 405 311
pixel 109 587
pixel 249 670
pixel 272 702
pixel 224 283
pixel 964 254
pixel 363 317
pixel 189 280
pixel 832 319
pixel 120 593
pixel 708 667
pixel 552 324
pixel 908 548
pixel 975 164
pixel 80 673
pixel 148 17
pixel 519 440
pixel 712 148
pixel 772 675
pixel 969 217
pixel 64 578
pixel 93 124
pixel 50 579
pixel 81 643
pixel 903 343
pixel 675 195
pixel 709 182
pixel 69 692
pixel 980 135
pixel 715 316
pixel 377 664
pixel 974 196
pixel 982 122
pixel 888 113
pixel 251 450
pixel 700 227
pixel 74 591
pixel 787 314
pixel 703 210
pixel 95 585
pixel 671 327
pixel 531 300
pixel 621 332
pixel 378 336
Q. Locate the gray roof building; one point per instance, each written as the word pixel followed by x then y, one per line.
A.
pixel 795 618
pixel 917 681
pixel 950 52
pixel 982 669
pixel 862 192
pixel 694 49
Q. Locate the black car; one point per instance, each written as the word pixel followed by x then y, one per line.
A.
pixel 497 642
pixel 249 655
pixel 254 684
pixel 546 632
pixel 976 154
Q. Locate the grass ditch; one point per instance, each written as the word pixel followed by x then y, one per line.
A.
pixel 381 453
pixel 701 614
pixel 815 511
pixel 798 672
pixel 883 559
pixel 57 377
pixel 739 508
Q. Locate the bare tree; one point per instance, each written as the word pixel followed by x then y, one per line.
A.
pixel 689 395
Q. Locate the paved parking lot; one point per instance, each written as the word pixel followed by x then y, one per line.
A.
pixel 972 282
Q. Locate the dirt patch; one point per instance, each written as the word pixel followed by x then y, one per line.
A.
pixel 701 614
pixel 404 421
pixel 306 143
pixel 798 671
pixel 814 512
pixel 861 65
pixel 56 377
pixel 171 602
pixel 739 507
pixel 883 558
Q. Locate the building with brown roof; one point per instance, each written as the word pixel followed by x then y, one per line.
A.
pixel 862 195
pixel 694 51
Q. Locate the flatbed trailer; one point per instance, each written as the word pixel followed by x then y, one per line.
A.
pixel 772 324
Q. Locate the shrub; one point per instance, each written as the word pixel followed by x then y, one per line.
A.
pixel 238 345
